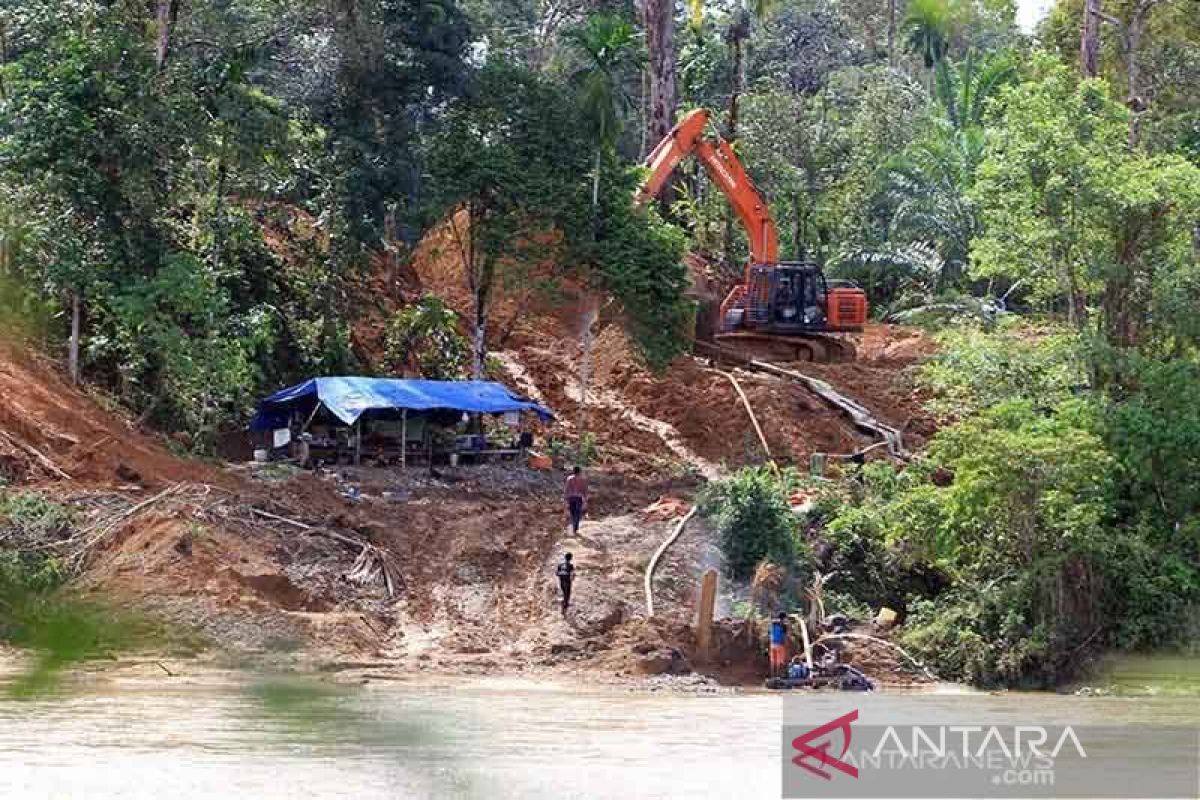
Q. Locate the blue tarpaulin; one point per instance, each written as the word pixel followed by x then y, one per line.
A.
pixel 348 398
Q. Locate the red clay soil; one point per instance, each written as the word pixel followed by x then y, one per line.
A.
pixel 45 422
pixel 542 333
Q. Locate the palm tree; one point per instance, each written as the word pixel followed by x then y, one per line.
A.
pixel 927 30
pixel 610 52
pixel 963 90
pixel 926 186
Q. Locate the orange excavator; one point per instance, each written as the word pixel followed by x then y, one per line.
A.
pixel 782 310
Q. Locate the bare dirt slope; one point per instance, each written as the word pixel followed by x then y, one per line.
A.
pixel 268 559
pixel 688 414
pixel 49 430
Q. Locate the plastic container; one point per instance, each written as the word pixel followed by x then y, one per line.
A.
pixel 262 455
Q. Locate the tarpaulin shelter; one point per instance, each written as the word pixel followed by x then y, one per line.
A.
pixel 348 398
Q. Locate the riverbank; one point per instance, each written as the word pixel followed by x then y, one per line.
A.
pixel 445 572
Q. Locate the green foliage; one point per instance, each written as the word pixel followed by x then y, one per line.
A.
pixel 1076 216
pixel 1045 521
pixel 144 188
pixel 755 522
pixel 1155 434
pixel 965 89
pixel 33 518
pixel 35 614
pixel 1024 534
pixel 639 260
pixel 423 340
pixel 924 190
pixel 927 29
pixel 975 369
pixel 514 157
pixel 586 451
pixel 28 571
pixel 610 50
pixel 582 452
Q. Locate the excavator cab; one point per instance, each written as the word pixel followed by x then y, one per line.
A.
pixel 787 298
pixel 793 297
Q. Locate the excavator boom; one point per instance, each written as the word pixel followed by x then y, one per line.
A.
pixel 687 138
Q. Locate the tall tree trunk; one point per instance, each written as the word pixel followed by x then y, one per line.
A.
pixel 596 183
pixel 1131 42
pixel 643 102
pixel 1089 42
pixel 73 344
pixel 479 340
pixel 165 14
pixel 391 248
pixel 658 17
pixel 891 32
pixel 737 42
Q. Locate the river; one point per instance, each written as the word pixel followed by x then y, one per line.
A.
pixel 213 734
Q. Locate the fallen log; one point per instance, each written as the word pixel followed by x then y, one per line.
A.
pixel 41 457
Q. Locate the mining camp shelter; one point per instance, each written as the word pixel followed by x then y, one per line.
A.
pixel 401 415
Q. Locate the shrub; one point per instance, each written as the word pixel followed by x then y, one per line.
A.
pixel 424 339
pixel 33 517
pixel 755 522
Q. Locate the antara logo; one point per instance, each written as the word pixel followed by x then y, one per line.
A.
pixel 928 748
pixel 820 753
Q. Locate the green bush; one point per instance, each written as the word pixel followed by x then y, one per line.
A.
pixel 755 522
pixel 33 517
pixel 28 571
pixel 424 340
pixel 976 368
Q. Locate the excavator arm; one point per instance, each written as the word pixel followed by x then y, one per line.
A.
pixel 722 164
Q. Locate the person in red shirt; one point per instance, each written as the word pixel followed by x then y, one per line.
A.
pixel 576 495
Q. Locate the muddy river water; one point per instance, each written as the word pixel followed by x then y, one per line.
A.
pixel 209 734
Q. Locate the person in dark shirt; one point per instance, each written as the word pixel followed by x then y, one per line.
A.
pixel 566 574
pixel 576 494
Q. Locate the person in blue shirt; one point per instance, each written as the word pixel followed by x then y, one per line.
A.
pixel 778 652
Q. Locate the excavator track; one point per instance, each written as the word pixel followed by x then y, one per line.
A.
pixel 815 347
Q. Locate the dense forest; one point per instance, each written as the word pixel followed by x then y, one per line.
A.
pixel 1035 197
